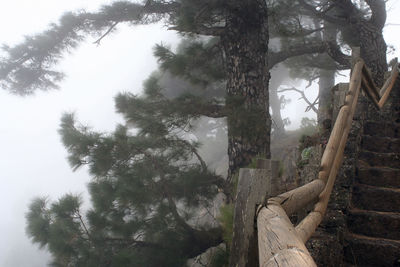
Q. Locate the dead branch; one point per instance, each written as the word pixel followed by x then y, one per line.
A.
pixel 311 106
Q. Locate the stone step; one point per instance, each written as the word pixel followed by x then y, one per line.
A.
pixel 374 223
pixel 374 159
pixel 383 177
pixel 380 144
pixel 388 129
pixel 369 251
pixel 374 198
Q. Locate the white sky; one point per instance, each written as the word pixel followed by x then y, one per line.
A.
pixel 32 158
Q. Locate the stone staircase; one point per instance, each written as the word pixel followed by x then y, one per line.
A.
pixel 373 219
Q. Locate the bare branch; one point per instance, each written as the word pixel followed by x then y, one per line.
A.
pixel 303 96
pixel 298 50
pixel 83 224
pixel 97 42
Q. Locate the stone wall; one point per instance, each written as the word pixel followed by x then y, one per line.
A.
pixel 326 245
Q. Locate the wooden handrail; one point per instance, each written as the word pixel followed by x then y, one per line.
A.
pixel 282 244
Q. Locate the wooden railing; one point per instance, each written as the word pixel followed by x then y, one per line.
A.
pixel 280 243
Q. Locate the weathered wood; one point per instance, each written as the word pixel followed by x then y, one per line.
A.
pixel 263 163
pixel 278 243
pixel 308 225
pixel 253 187
pixel 337 132
pixel 371 92
pixel 298 198
pixel 331 148
pixel 388 86
pixel 325 195
pixel 373 89
pixel 306 228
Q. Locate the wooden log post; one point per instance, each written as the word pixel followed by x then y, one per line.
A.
pixel 254 186
pixel 388 86
pixel 278 243
pixel 333 154
pixel 339 96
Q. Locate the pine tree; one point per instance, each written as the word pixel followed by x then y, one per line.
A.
pixel 146 190
pixel 31 65
pixel 360 24
pixel 146 185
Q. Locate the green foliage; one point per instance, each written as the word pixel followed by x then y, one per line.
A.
pixel 306 153
pixel 226 220
pixel 281 169
pixel 308 126
pixel 146 187
pixel 196 60
pixel 220 258
pixel 31 65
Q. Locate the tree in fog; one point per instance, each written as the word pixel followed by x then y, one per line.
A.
pixel 146 189
pixel 240 29
pixel 341 24
pixel 146 185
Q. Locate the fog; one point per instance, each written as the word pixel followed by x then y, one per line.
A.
pixel 32 158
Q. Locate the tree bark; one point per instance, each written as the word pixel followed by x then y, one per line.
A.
pixel 326 83
pixel 245 44
pixel 373 50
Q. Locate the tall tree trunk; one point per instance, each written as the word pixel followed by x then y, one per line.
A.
pixel 245 43
pixel 326 83
pixel 372 44
pixel 275 102
pixel 373 50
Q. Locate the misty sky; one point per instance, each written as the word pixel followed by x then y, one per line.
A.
pixel 32 158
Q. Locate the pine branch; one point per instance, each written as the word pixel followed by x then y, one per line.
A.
pixel 83 225
pixel 161 7
pixel 201 29
pixel 135 243
pixel 298 50
pixel 29 66
pixel 321 14
pixel 212 110
pixel 331 48
pixel 97 42
pixel 165 190
pixel 202 162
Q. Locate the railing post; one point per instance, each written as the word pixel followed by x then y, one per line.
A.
pixel 339 95
pixel 254 186
pixel 278 242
